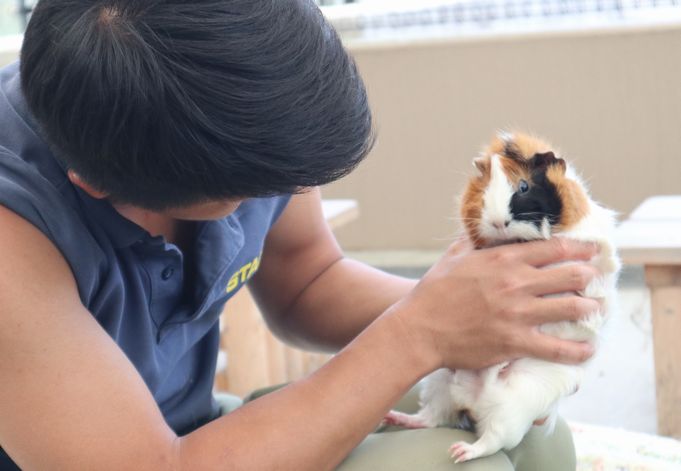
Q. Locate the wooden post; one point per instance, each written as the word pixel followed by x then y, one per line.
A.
pixel 665 289
pixel 246 335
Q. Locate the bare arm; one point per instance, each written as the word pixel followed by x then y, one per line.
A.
pixel 298 303
pixel 68 396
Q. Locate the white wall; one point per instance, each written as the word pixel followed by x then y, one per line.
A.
pixel 610 100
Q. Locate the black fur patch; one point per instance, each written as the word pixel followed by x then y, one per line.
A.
pixel 465 421
pixel 541 200
pixel 512 151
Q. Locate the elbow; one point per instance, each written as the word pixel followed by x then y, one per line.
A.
pixel 284 327
pixel 174 459
pixel 295 332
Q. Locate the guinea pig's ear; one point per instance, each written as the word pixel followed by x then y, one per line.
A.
pixel 548 159
pixel 482 164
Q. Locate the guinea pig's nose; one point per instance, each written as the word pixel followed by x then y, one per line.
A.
pixel 499 224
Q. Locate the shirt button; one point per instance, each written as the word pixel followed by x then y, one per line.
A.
pixel 167 273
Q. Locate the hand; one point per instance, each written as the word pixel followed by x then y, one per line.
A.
pixel 476 308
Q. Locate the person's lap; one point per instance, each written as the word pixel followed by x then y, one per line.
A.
pixel 397 449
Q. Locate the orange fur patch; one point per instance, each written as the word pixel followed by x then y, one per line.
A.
pixel 527 145
pixel 496 147
pixel 530 145
pixel 572 197
pixel 471 205
pixel 515 171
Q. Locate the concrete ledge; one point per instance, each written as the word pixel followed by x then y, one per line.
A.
pixel 9 48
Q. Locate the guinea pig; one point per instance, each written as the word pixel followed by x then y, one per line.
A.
pixel 522 191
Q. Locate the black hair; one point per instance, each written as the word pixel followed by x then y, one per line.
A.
pixel 167 103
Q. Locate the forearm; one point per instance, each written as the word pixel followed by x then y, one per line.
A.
pixel 315 423
pixel 337 305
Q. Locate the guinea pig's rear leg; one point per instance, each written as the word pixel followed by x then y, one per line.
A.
pixel 429 416
pixel 504 428
pixel 489 442
pixel 401 419
pixel 436 401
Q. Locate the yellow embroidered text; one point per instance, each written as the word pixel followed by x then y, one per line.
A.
pixel 243 274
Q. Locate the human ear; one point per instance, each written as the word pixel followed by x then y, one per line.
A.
pixel 86 187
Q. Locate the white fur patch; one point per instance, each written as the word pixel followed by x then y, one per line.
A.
pixel 524 230
pixel 546 228
pixel 496 200
pixel 505 136
pixel 496 211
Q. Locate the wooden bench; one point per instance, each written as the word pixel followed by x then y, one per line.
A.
pixel 254 357
pixel 651 237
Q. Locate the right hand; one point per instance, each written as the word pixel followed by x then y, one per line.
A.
pixel 477 308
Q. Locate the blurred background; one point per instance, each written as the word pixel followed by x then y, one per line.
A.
pixel 600 79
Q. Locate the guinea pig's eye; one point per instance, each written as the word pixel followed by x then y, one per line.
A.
pixel 523 187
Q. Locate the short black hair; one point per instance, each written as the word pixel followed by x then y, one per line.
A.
pixel 167 103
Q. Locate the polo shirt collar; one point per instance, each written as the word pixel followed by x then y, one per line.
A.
pixel 121 230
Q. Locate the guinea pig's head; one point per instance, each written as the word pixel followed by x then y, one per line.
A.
pixel 523 191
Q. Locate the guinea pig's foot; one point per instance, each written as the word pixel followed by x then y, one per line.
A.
pixel 401 419
pixel 462 451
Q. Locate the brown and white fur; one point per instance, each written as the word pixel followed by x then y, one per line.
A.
pixel 498 208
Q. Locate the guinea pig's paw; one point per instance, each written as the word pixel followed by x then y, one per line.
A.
pixel 462 451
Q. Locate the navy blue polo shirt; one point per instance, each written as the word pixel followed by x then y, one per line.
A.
pixel 131 282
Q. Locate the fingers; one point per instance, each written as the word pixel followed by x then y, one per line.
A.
pixel 565 308
pixel 564 279
pixel 553 349
pixel 557 249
